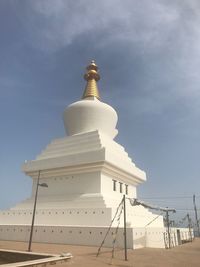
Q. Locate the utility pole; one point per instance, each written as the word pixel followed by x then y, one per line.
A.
pixel 168 228
pixel 196 216
pixel 125 240
pixel 189 226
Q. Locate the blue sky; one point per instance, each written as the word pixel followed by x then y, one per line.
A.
pixel 148 52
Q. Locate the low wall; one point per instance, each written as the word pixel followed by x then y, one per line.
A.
pixel 93 236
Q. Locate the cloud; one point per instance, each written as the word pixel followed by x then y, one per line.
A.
pixel 59 23
pixel 150 23
pixel 165 34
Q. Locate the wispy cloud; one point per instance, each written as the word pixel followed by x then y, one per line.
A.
pixel 59 23
pixel 166 30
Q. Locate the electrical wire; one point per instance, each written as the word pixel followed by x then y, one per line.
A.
pixel 169 197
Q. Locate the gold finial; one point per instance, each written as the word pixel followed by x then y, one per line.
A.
pixel 91 76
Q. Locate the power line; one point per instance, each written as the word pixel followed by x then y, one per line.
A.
pixel 190 209
pixel 170 197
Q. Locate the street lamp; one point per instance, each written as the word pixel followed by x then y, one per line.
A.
pixel 34 209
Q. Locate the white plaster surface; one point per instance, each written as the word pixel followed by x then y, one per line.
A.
pixel 80 201
pixel 88 115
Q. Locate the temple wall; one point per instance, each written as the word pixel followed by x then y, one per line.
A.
pixel 136 217
pixel 69 185
pixel 92 236
pixel 107 187
pixel 86 217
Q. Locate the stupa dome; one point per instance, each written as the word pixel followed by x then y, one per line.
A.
pixel 90 114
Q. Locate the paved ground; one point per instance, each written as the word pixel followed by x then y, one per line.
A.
pixel 187 255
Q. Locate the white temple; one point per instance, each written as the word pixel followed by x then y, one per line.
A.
pixel 87 173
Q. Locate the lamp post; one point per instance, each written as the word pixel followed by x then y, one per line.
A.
pixel 34 209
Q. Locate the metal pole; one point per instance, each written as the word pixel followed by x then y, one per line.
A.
pixel 189 226
pixel 125 240
pixel 196 216
pixel 168 228
pixel 34 209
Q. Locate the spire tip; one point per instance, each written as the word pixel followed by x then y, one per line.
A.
pixel 91 76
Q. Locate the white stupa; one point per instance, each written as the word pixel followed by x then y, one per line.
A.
pixel 87 173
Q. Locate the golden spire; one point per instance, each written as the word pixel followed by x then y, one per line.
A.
pixel 91 76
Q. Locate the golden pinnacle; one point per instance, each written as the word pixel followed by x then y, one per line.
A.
pixel 91 76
